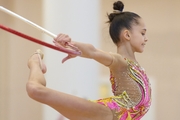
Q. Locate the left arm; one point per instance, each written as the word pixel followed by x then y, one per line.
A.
pixel 87 50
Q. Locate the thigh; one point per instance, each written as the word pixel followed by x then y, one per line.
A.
pixel 116 106
pixel 74 108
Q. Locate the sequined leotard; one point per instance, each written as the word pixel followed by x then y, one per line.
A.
pixel 132 93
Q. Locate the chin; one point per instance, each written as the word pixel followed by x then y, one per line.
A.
pixel 140 51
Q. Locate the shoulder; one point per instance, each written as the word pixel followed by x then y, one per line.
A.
pixel 117 61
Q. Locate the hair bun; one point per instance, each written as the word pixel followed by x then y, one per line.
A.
pixel 118 6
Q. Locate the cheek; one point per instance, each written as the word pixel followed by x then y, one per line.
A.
pixel 136 36
pixel 140 37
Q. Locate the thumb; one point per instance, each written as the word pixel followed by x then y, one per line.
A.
pixel 66 58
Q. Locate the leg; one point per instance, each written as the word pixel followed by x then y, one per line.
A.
pixel 72 107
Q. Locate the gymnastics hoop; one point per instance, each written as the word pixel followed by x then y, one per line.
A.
pixel 59 48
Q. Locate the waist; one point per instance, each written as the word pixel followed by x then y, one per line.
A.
pixel 131 101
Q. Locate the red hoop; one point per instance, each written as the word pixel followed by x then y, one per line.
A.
pixel 61 49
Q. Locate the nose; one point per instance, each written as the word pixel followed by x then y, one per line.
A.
pixel 146 39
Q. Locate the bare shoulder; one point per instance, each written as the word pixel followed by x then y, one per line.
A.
pixel 117 61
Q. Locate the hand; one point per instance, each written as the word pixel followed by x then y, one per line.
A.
pixel 63 40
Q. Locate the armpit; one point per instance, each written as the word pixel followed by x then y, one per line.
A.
pixel 112 60
pixel 117 60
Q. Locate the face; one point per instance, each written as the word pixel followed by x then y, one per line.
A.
pixel 138 37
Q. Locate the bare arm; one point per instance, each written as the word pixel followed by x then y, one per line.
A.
pixel 89 51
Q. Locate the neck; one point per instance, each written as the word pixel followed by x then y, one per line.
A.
pixel 126 51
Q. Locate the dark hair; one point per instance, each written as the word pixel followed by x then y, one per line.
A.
pixel 119 20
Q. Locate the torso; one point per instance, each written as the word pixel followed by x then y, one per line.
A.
pixel 131 88
pixel 131 81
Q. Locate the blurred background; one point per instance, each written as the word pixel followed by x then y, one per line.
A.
pixel 85 21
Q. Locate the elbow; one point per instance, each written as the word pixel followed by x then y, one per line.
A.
pixel 34 90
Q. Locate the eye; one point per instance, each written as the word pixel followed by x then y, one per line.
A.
pixel 143 34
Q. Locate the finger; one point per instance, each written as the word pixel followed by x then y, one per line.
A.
pixel 66 58
pixel 62 39
pixel 72 46
pixel 59 37
pixel 57 44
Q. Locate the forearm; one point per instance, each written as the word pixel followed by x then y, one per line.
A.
pixel 87 50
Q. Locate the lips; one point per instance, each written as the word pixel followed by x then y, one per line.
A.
pixel 143 44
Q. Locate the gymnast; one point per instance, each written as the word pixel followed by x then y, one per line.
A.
pixel 130 84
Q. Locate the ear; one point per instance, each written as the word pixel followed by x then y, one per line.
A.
pixel 126 34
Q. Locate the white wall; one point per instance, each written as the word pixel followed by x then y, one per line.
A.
pixel 78 76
